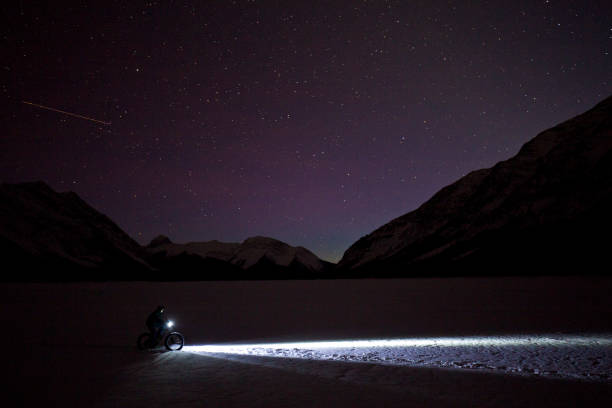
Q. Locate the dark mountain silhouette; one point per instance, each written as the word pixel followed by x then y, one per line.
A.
pixel 546 210
pixel 50 236
pixel 255 258
pixel 45 235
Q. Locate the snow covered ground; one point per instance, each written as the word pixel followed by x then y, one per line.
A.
pixel 426 342
pixel 584 357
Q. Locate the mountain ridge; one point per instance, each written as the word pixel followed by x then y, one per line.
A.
pixel 57 236
pixel 555 181
pixel 38 227
pixel 246 255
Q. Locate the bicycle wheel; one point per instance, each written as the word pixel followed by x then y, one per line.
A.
pixel 174 341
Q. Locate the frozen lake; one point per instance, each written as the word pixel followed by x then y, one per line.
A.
pixel 434 342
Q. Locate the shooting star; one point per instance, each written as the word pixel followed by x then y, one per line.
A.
pixel 67 113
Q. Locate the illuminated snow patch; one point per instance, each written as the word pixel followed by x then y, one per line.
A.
pixel 515 341
pixel 569 356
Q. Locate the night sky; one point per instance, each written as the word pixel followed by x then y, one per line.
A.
pixel 310 122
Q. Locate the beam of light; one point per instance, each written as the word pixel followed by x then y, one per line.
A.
pixel 587 357
pixel 67 113
pixel 493 341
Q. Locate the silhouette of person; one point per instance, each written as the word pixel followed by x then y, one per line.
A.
pixel 156 323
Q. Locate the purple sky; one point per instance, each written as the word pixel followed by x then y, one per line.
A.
pixel 310 122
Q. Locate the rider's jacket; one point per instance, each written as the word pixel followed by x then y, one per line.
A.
pixel 156 319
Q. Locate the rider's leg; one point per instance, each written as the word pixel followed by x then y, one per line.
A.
pixel 156 334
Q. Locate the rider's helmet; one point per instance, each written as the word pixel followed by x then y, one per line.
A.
pixel 161 308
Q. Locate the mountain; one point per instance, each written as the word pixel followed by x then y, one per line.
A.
pixel 547 210
pixel 45 235
pixel 51 236
pixel 259 257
